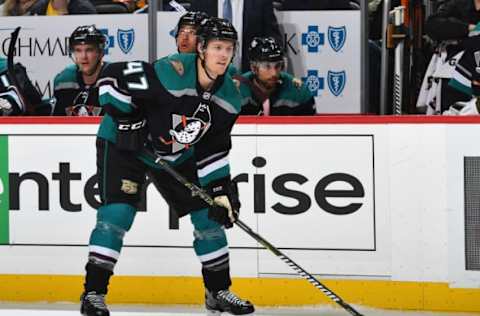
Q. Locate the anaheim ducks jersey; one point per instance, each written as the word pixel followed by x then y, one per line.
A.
pixel 182 119
pixel 466 70
pixel 439 71
pixel 72 96
pixel 291 97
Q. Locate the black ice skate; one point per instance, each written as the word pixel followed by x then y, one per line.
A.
pixel 226 301
pixel 93 304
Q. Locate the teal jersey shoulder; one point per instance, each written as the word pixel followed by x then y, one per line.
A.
pixel 3 64
pixel 293 90
pixel 67 78
pixel 228 96
pixel 290 97
pixel 178 75
pixel 232 70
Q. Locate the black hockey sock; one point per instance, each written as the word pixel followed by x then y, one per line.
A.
pixel 97 278
pixel 218 280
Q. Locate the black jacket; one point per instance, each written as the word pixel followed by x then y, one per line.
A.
pixel 316 5
pixel 74 7
pixel 451 20
pixel 258 20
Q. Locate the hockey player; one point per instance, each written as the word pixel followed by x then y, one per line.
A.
pixel 267 89
pixel 182 109
pixel 186 38
pixel 75 88
pixel 466 79
pixel 186 31
pixel 23 99
pixel 466 76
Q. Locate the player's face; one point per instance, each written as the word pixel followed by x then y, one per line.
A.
pixel 218 55
pixel 187 39
pixel 268 72
pixel 86 57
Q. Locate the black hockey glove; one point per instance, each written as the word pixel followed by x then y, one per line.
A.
pixel 225 195
pixel 131 133
pixel 11 103
pixel 27 88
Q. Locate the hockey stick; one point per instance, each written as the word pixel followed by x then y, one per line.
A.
pixel 11 52
pixel 11 69
pixel 196 191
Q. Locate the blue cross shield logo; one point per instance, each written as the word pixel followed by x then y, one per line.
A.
pixel 313 39
pixel 125 39
pixel 337 37
pixel 336 81
pixel 109 40
pixel 313 82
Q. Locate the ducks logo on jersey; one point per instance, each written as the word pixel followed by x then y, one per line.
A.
pixel 81 106
pixel 187 130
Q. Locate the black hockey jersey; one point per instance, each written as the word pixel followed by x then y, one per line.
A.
pixel 72 96
pixel 467 70
pixel 182 120
pixel 25 97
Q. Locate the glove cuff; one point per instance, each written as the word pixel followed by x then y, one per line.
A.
pixel 219 186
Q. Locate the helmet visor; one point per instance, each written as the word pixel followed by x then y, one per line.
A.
pixel 269 65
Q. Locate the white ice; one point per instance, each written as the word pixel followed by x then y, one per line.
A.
pixel 133 310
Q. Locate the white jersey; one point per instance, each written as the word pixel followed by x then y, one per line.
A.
pixel 463 108
pixel 431 91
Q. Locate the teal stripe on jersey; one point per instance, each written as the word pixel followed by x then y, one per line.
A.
pixel 215 175
pixel 460 87
pixel 108 129
pixel 4 192
pixel 181 93
pixel 108 98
